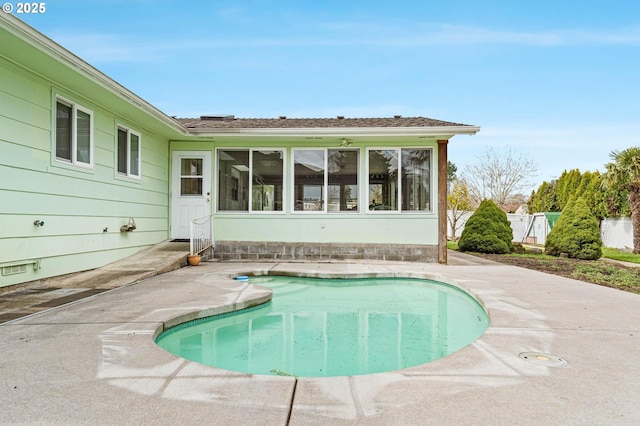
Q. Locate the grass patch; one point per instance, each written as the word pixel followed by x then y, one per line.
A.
pixel 609 275
pixel 599 272
pixel 611 253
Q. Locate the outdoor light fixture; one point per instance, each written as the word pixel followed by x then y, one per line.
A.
pixel 38 223
pixel 129 226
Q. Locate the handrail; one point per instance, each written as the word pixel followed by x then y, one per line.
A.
pixel 201 234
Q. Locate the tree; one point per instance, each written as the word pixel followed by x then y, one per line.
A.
pixel 555 195
pixel 487 231
pixel 576 233
pixel 590 189
pixel 458 203
pixel 497 175
pixel 451 171
pixel 544 199
pixel 624 172
pixel 567 186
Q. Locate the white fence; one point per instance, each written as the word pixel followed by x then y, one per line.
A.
pixel 616 233
pixel 201 234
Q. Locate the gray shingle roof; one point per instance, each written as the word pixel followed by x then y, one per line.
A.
pixel 230 122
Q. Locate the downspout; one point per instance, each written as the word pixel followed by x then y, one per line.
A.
pixel 442 201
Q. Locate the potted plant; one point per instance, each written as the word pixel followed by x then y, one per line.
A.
pixel 194 259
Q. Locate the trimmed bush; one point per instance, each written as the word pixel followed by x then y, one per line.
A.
pixel 576 233
pixel 487 231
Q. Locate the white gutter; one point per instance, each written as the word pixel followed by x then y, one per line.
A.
pixel 337 131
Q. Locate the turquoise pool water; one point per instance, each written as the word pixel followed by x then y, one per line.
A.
pixel 319 327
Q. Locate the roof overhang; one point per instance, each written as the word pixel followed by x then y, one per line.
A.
pixel 445 132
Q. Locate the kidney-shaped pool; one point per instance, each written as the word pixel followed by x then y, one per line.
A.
pixel 334 327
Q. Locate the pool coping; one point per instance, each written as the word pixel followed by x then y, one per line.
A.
pixel 261 299
pixel 117 363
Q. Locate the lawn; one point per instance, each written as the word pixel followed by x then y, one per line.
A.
pixel 602 272
pixel 611 253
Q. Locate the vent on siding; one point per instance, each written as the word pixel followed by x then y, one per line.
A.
pixel 19 267
pixel 15 269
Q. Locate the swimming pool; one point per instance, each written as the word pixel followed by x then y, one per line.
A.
pixel 337 327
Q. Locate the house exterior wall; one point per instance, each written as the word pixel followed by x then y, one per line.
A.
pixel 290 234
pixel 76 204
pixel 82 207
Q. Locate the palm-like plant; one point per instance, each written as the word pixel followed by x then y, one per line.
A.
pixel 624 172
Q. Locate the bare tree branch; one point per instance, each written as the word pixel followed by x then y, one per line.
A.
pixel 499 174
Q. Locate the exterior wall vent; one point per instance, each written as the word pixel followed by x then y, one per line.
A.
pixel 15 269
pixel 19 267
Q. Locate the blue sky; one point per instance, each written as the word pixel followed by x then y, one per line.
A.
pixel 557 80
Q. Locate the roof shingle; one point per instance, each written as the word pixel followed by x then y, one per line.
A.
pixel 230 122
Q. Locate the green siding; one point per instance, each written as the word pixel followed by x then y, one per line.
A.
pixel 75 204
pixel 359 228
pixel 333 227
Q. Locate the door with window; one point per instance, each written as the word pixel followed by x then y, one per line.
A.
pixel 190 190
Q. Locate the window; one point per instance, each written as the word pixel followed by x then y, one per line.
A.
pixel 308 177
pixel 383 179
pixel 400 179
pixel 128 152
pixel 267 180
pixel 74 134
pixel 250 180
pixel 342 169
pixel 191 176
pixel 321 175
pixel 415 172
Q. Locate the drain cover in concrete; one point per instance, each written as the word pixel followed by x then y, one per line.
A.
pixel 546 360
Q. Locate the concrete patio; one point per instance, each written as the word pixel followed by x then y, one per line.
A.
pixel 94 361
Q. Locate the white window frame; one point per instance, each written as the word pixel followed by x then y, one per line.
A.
pixel 293 181
pixel 325 189
pixel 129 132
pixel 74 133
pixel 399 209
pixel 250 189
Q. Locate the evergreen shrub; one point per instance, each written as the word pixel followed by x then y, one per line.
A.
pixel 576 233
pixel 487 231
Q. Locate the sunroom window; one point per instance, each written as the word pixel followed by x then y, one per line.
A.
pixel 399 179
pixel 342 170
pixel 383 179
pixel 250 180
pixel 128 152
pixel 309 179
pixel 325 174
pixel 267 180
pixel 74 133
pixel 416 172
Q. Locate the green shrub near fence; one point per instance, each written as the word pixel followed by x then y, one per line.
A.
pixel 487 231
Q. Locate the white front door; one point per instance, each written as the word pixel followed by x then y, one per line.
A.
pixel 190 190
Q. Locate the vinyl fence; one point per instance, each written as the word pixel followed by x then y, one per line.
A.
pixel 616 233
